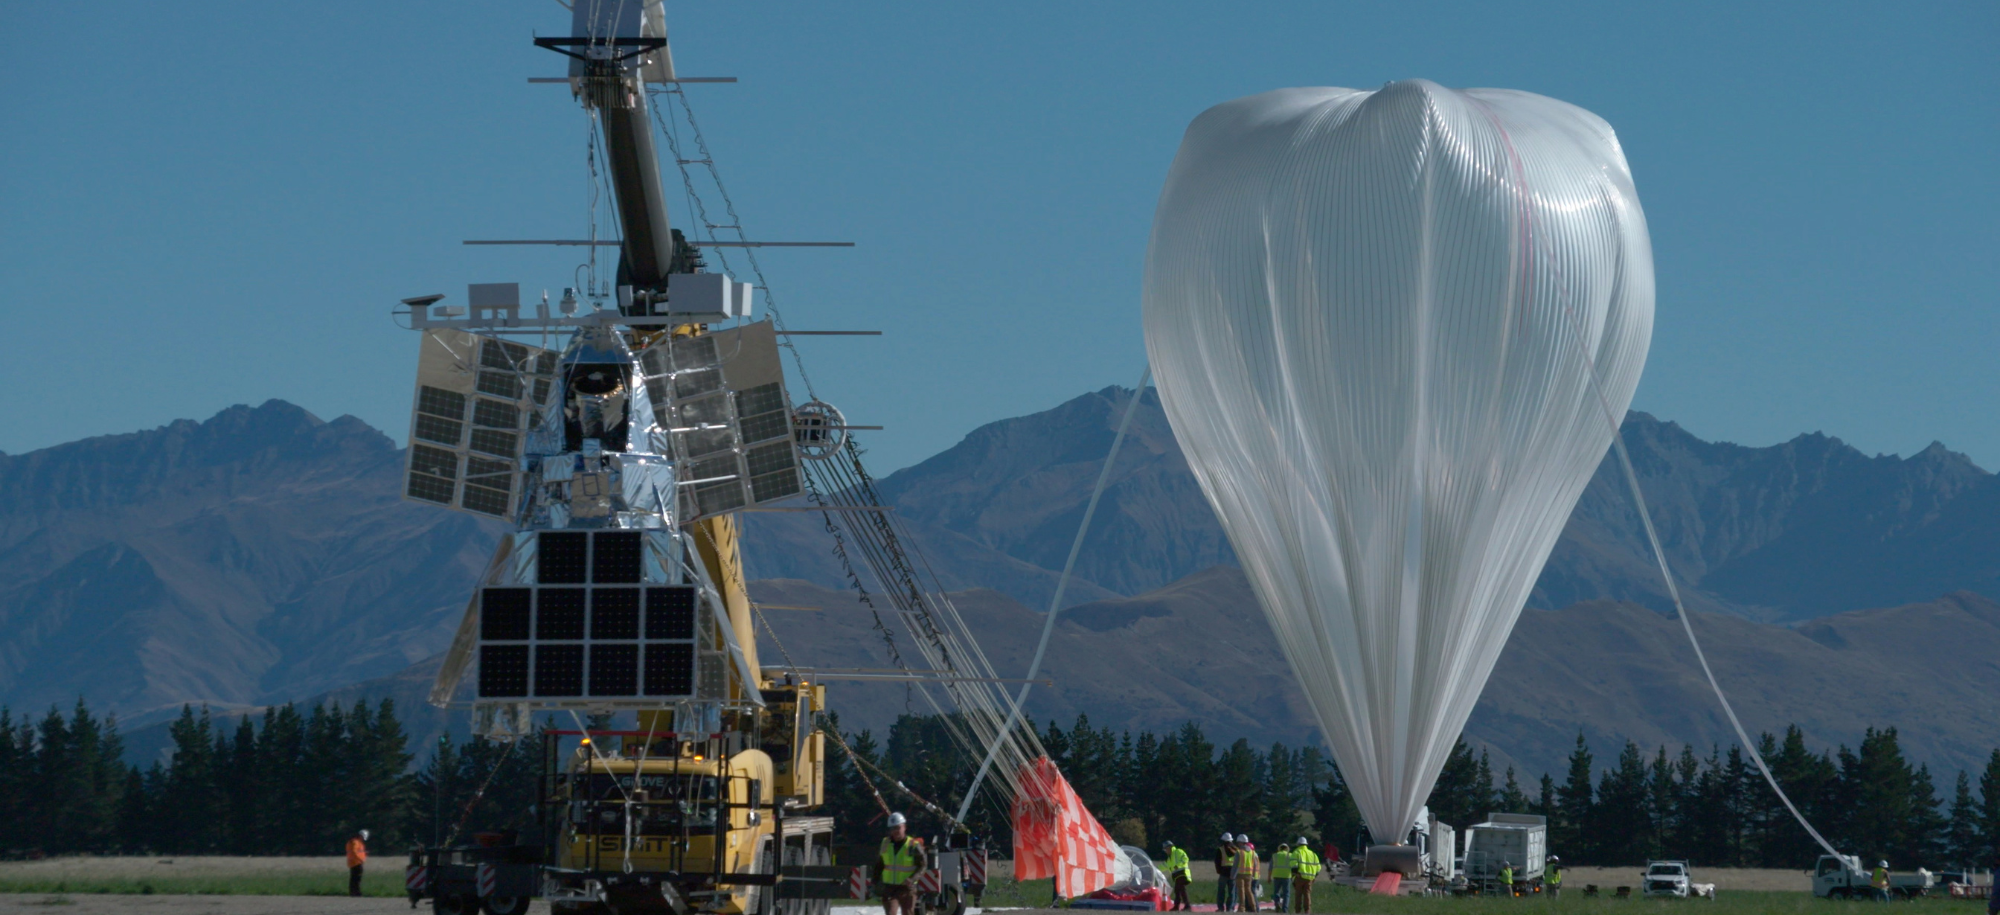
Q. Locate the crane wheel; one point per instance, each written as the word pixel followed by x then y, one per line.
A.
pixel 505 905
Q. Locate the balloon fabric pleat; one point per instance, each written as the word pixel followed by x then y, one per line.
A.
pixel 1374 318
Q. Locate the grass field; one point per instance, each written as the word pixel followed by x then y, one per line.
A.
pixel 1338 899
pixel 228 876
pixel 203 875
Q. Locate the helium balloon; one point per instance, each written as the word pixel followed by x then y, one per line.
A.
pixel 1392 331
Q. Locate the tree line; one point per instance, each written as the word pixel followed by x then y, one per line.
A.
pixel 290 782
pixel 1714 809
pixel 299 781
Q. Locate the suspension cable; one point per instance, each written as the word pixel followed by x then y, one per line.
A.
pixel 1055 601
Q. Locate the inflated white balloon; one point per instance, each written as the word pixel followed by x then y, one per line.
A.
pixel 1388 329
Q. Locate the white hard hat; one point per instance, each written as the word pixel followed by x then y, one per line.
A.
pixel 1226 837
pixel 1302 840
pixel 1881 864
pixel 364 834
pixel 1240 837
pixel 896 819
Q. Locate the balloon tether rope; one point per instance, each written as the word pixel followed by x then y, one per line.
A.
pixel 1680 609
pixel 1055 600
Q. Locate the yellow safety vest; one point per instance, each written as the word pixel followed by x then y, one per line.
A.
pixel 1305 862
pixel 1246 863
pixel 1281 865
pixel 1177 863
pixel 1507 876
pixel 1881 878
pixel 899 864
pixel 1554 877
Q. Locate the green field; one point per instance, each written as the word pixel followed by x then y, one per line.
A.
pixel 198 875
pixel 1339 899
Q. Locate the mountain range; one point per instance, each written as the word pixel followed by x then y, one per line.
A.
pixel 263 556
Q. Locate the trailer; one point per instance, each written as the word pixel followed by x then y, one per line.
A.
pixel 957 877
pixel 1517 839
pixel 497 875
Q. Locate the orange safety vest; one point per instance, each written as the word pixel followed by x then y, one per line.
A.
pixel 357 852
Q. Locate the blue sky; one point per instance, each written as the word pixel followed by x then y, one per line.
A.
pixel 208 204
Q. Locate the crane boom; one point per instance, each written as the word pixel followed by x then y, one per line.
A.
pixel 617 46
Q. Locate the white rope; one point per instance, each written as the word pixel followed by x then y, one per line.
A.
pixel 1660 556
pixel 1055 600
pixel 1674 591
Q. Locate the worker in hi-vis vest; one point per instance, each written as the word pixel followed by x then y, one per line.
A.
pixel 1225 874
pixel 1552 877
pixel 1247 867
pixel 1281 878
pixel 357 858
pixel 1879 880
pixel 896 869
pixel 1305 869
pixel 1180 872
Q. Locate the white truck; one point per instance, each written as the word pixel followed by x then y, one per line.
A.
pixel 1843 877
pixel 1672 878
pixel 1517 839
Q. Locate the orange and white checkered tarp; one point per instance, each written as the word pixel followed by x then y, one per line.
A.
pixel 1056 836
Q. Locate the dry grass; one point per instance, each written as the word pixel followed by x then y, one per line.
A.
pixel 1724 878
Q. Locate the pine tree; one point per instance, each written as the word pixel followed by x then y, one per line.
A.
pixel 1812 782
pixel 1286 796
pixel 1334 813
pixel 1928 829
pixel 1457 797
pixel 1236 787
pixel 1663 806
pixel 1989 809
pixel 1186 778
pixel 1569 832
pixel 1888 811
pixel 188 798
pixel 1622 826
pixel 295 787
pixel 1962 840
pixel 245 790
pixel 1744 789
pixel 1512 798
pixel 135 816
pixel 379 766
pixel 58 781
pixel 16 753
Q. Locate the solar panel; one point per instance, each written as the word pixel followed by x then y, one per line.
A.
pixel 614 670
pixel 614 613
pixel 476 399
pixel 723 394
pixel 504 614
pixel 590 628
pixel 562 557
pixel 558 670
pixel 615 557
pixel 669 669
pixel 559 614
pixel 503 671
pixel 670 613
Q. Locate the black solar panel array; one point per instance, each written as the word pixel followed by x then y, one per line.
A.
pixel 589 627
